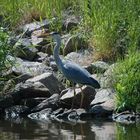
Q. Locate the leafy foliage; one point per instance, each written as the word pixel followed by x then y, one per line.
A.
pixel 4 49
pixel 127 85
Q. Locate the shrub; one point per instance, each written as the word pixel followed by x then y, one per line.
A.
pixel 127 83
pixel 4 51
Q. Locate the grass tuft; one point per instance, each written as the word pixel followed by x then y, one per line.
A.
pixel 127 85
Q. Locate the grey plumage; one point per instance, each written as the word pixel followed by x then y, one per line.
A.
pixel 71 70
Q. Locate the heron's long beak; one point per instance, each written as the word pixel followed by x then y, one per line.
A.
pixel 45 35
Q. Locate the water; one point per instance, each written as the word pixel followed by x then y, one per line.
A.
pixel 26 129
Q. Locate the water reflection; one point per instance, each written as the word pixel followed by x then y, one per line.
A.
pixel 26 129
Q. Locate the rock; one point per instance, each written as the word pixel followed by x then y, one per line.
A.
pixel 49 80
pixel 15 111
pixel 89 94
pixel 32 102
pixel 70 20
pixel 88 68
pixel 99 67
pixel 53 66
pixel 47 49
pixel 74 43
pixel 103 110
pixel 12 82
pixel 104 104
pixel 109 71
pixel 21 78
pixel 71 115
pixel 24 49
pixel 38 37
pixel 38 41
pixel 102 96
pixel 29 28
pixel 126 117
pixel 25 67
pixel 12 40
pixel 41 57
pixel 107 79
pixel 23 91
pixel 64 115
pixel 79 114
pixel 51 102
pixel 83 58
pixel 6 101
pixel 43 115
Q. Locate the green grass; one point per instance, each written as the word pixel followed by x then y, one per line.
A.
pixel 113 26
pixel 4 48
pixel 18 12
pixel 127 84
pixel 4 51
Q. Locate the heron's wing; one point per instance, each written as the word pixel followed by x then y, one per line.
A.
pixel 75 73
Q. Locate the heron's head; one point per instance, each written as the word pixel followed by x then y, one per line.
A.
pixel 55 35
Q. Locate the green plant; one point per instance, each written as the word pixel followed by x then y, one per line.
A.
pixel 5 50
pixel 127 83
pixel 18 12
pixel 115 25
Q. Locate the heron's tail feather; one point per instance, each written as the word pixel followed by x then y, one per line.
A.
pixel 94 83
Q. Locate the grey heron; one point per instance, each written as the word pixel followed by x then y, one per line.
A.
pixel 72 71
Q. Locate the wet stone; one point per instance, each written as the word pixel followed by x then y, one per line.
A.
pixel 43 115
pixel 15 111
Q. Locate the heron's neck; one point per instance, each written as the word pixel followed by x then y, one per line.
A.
pixel 56 52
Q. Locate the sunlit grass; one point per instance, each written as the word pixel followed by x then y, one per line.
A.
pixel 115 25
pixel 127 85
pixel 4 51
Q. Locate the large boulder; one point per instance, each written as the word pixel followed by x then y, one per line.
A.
pixel 104 103
pixel 99 66
pixel 49 80
pixel 83 58
pixel 24 49
pixel 26 67
pixel 24 91
pixel 29 28
pixel 51 102
pixel 68 97
pixel 107 78
pixel 38 37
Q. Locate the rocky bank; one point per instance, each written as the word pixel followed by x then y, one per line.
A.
pixel 38 90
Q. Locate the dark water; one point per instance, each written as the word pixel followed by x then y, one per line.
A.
pixel 26 129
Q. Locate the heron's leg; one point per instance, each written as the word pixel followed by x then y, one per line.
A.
pixel 73 97
pixel 82 97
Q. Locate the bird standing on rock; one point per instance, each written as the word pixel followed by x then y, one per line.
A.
pixel 71 70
